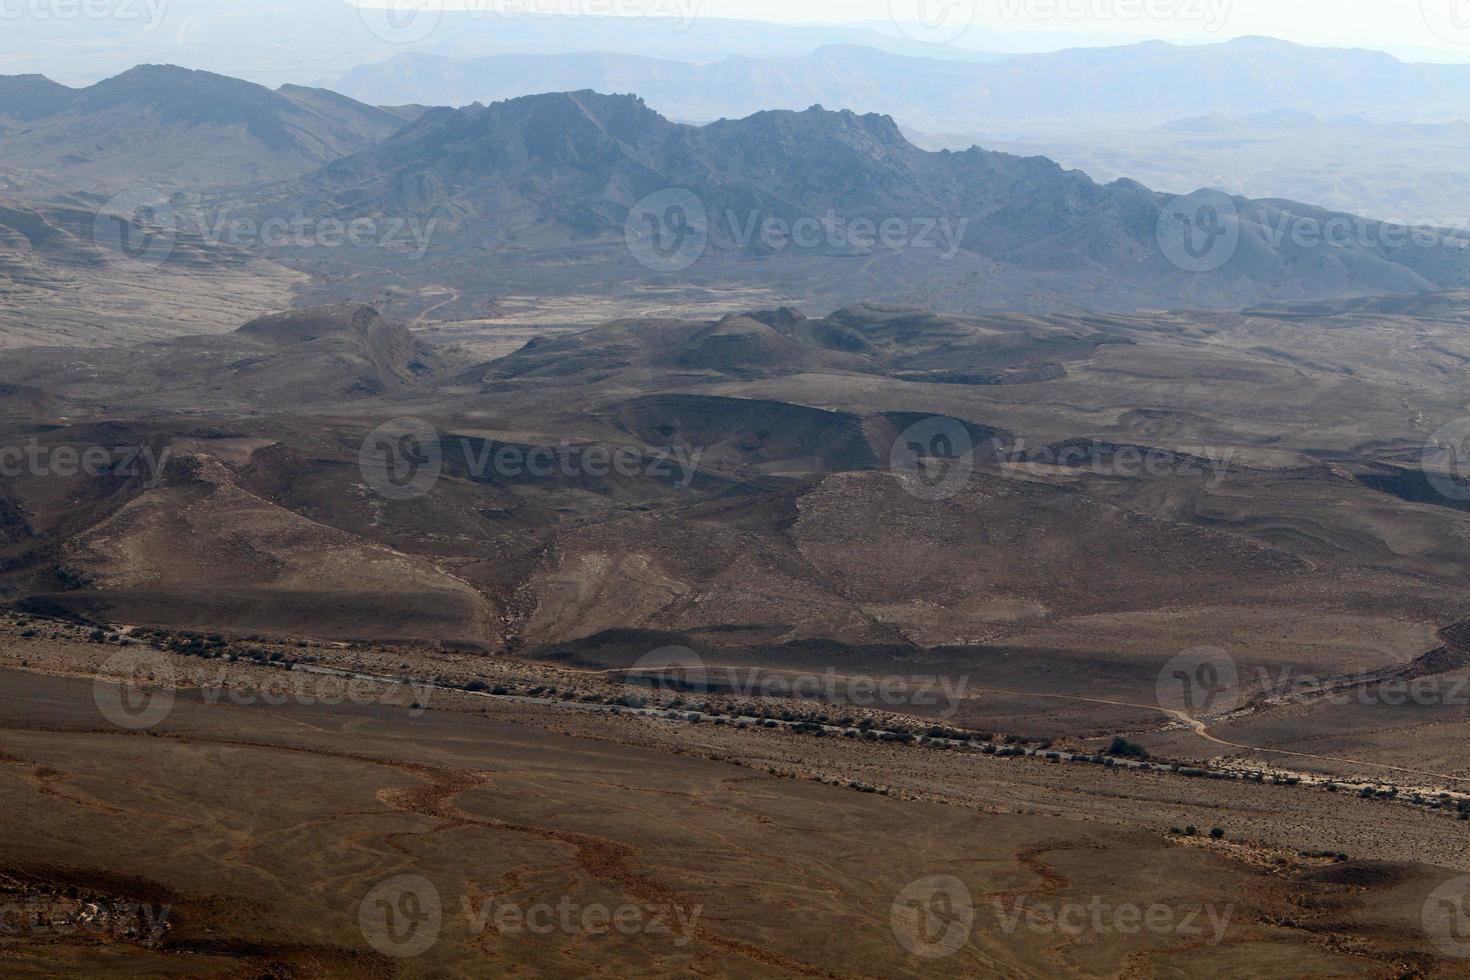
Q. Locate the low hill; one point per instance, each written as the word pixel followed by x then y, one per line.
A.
pixel 304 357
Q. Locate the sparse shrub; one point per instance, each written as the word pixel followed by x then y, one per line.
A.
pixel 1122 748
pixel 1216 833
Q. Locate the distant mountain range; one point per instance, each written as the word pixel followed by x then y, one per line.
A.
pixel 310 42
pixel 1351 130
pixel 600 195
pixel 1141 84
pixel 1409 172
pixel 549 174
pixel 167 128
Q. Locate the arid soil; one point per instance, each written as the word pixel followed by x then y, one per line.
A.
pixel 263 827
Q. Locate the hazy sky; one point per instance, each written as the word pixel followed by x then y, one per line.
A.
pixel 1368 23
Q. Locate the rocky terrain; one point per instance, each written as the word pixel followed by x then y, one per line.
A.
pixel 552 537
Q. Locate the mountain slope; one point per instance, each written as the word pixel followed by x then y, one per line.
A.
pixel 173 129
pixel 63 287
pixel 573 171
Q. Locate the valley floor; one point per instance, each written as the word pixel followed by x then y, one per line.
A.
pixel 286 821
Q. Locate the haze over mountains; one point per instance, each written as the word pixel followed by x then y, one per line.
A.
pixel 311 42
pixel 1142 84
pixel 813 207
pixel 543 177
pixel 1113 112
pixel 1408 172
